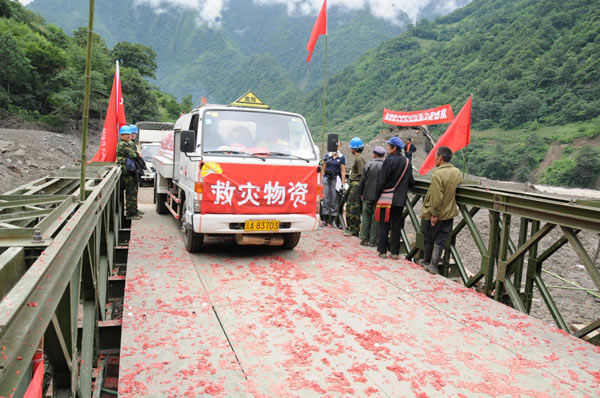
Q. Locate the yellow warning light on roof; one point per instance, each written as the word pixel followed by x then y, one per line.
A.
pixel 250 100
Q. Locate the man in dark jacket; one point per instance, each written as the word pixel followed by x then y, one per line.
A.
pixel 409 149
pixel 391 172
pixel 367 190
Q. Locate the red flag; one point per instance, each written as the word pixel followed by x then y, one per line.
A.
pixel 36 386
pixel 320 28
pixel 115 118
pixel 456 137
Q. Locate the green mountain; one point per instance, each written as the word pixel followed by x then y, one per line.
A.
pixel 525 61
pixel 218 63
pixel 533 67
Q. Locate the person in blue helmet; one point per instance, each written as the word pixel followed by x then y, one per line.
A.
pixel 128 181
pixel 394 180
pixel 353 204
pixel 133 145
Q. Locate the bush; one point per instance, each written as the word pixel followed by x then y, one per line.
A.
pixel 580 171
pixel 559 173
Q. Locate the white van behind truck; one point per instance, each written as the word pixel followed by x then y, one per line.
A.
pixel 249 172
pixel 150 135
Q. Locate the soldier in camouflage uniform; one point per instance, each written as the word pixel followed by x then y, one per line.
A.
pixel 133 145
pixel 353 205
pixel 128 182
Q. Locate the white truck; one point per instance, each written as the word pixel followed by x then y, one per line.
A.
pixel 247 172
pixel 150 135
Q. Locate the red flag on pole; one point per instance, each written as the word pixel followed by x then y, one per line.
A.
pixel 320 28
pixel 456 137
pixel 115 118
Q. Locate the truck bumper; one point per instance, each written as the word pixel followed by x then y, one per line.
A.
pixel 234 223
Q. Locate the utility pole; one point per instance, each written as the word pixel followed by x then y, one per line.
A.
pixel 86 101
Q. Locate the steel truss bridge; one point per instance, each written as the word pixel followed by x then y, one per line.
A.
pixel 63 262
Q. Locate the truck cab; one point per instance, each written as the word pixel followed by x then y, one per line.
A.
pixel 247 172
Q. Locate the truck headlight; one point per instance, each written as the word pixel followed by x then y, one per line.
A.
pixel 197 204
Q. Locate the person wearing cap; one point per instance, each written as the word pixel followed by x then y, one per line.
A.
pixel 333 166
pixel 128 181
pixel 439 208
pixel 395 175
pixel 367 190
pixel 353 204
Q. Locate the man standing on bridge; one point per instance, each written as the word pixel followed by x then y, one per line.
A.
pixel 409 149
pixel 439 208
pixel 125 153
pixel 334 166
pixel 353 205
pixel 133 144
pixel 367 190
pixel 394 180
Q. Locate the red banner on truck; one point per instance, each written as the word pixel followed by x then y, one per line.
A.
pixel 233 188
pixel 439 115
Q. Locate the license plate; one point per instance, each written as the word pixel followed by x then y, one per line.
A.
pixel 261 225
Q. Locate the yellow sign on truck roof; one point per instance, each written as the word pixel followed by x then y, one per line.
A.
pixel 250 100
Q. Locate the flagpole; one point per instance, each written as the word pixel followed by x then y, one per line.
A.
pixel 324 102
pixel 86 101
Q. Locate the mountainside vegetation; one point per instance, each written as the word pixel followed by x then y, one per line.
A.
pixel 43 77
pixel 530 64
pixel 218 63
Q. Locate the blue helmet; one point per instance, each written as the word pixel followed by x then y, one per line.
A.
pixel 124 130
pixel 134 129
pixel 395 141
pixel 356 143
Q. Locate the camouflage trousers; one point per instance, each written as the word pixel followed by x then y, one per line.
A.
pixel 353 209
pixel 369 228
pixel 130 186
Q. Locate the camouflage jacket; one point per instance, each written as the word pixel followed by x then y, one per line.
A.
pixel 125 150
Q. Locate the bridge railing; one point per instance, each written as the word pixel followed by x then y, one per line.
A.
pixel 56 256
pixel 510 272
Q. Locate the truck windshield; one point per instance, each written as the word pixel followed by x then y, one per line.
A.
pixel 234 132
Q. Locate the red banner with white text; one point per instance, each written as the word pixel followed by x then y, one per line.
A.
pixel 439 115
pixel 233 188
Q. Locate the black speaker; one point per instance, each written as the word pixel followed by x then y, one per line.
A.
pixel 332 142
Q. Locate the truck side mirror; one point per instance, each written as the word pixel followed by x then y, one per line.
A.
pixel 187 141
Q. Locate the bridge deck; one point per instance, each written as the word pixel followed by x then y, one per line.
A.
pixel 327 319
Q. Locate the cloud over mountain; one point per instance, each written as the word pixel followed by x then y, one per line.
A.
pixel 209 11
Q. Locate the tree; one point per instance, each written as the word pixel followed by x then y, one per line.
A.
pixel 187 104
pixel 587 167
pixel 16 69
pixel 140 102
pixel 521 110
pixel 138 56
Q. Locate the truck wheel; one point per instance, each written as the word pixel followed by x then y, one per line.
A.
pixel 291 240
pixel 192 241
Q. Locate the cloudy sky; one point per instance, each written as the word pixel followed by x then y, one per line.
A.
pixel 210 10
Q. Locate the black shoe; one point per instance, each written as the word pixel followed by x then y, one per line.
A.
pixel 364 243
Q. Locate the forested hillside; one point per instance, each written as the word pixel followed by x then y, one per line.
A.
pixel 193 58
pixel 43 78
pixel 523 60
pixel 530 64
